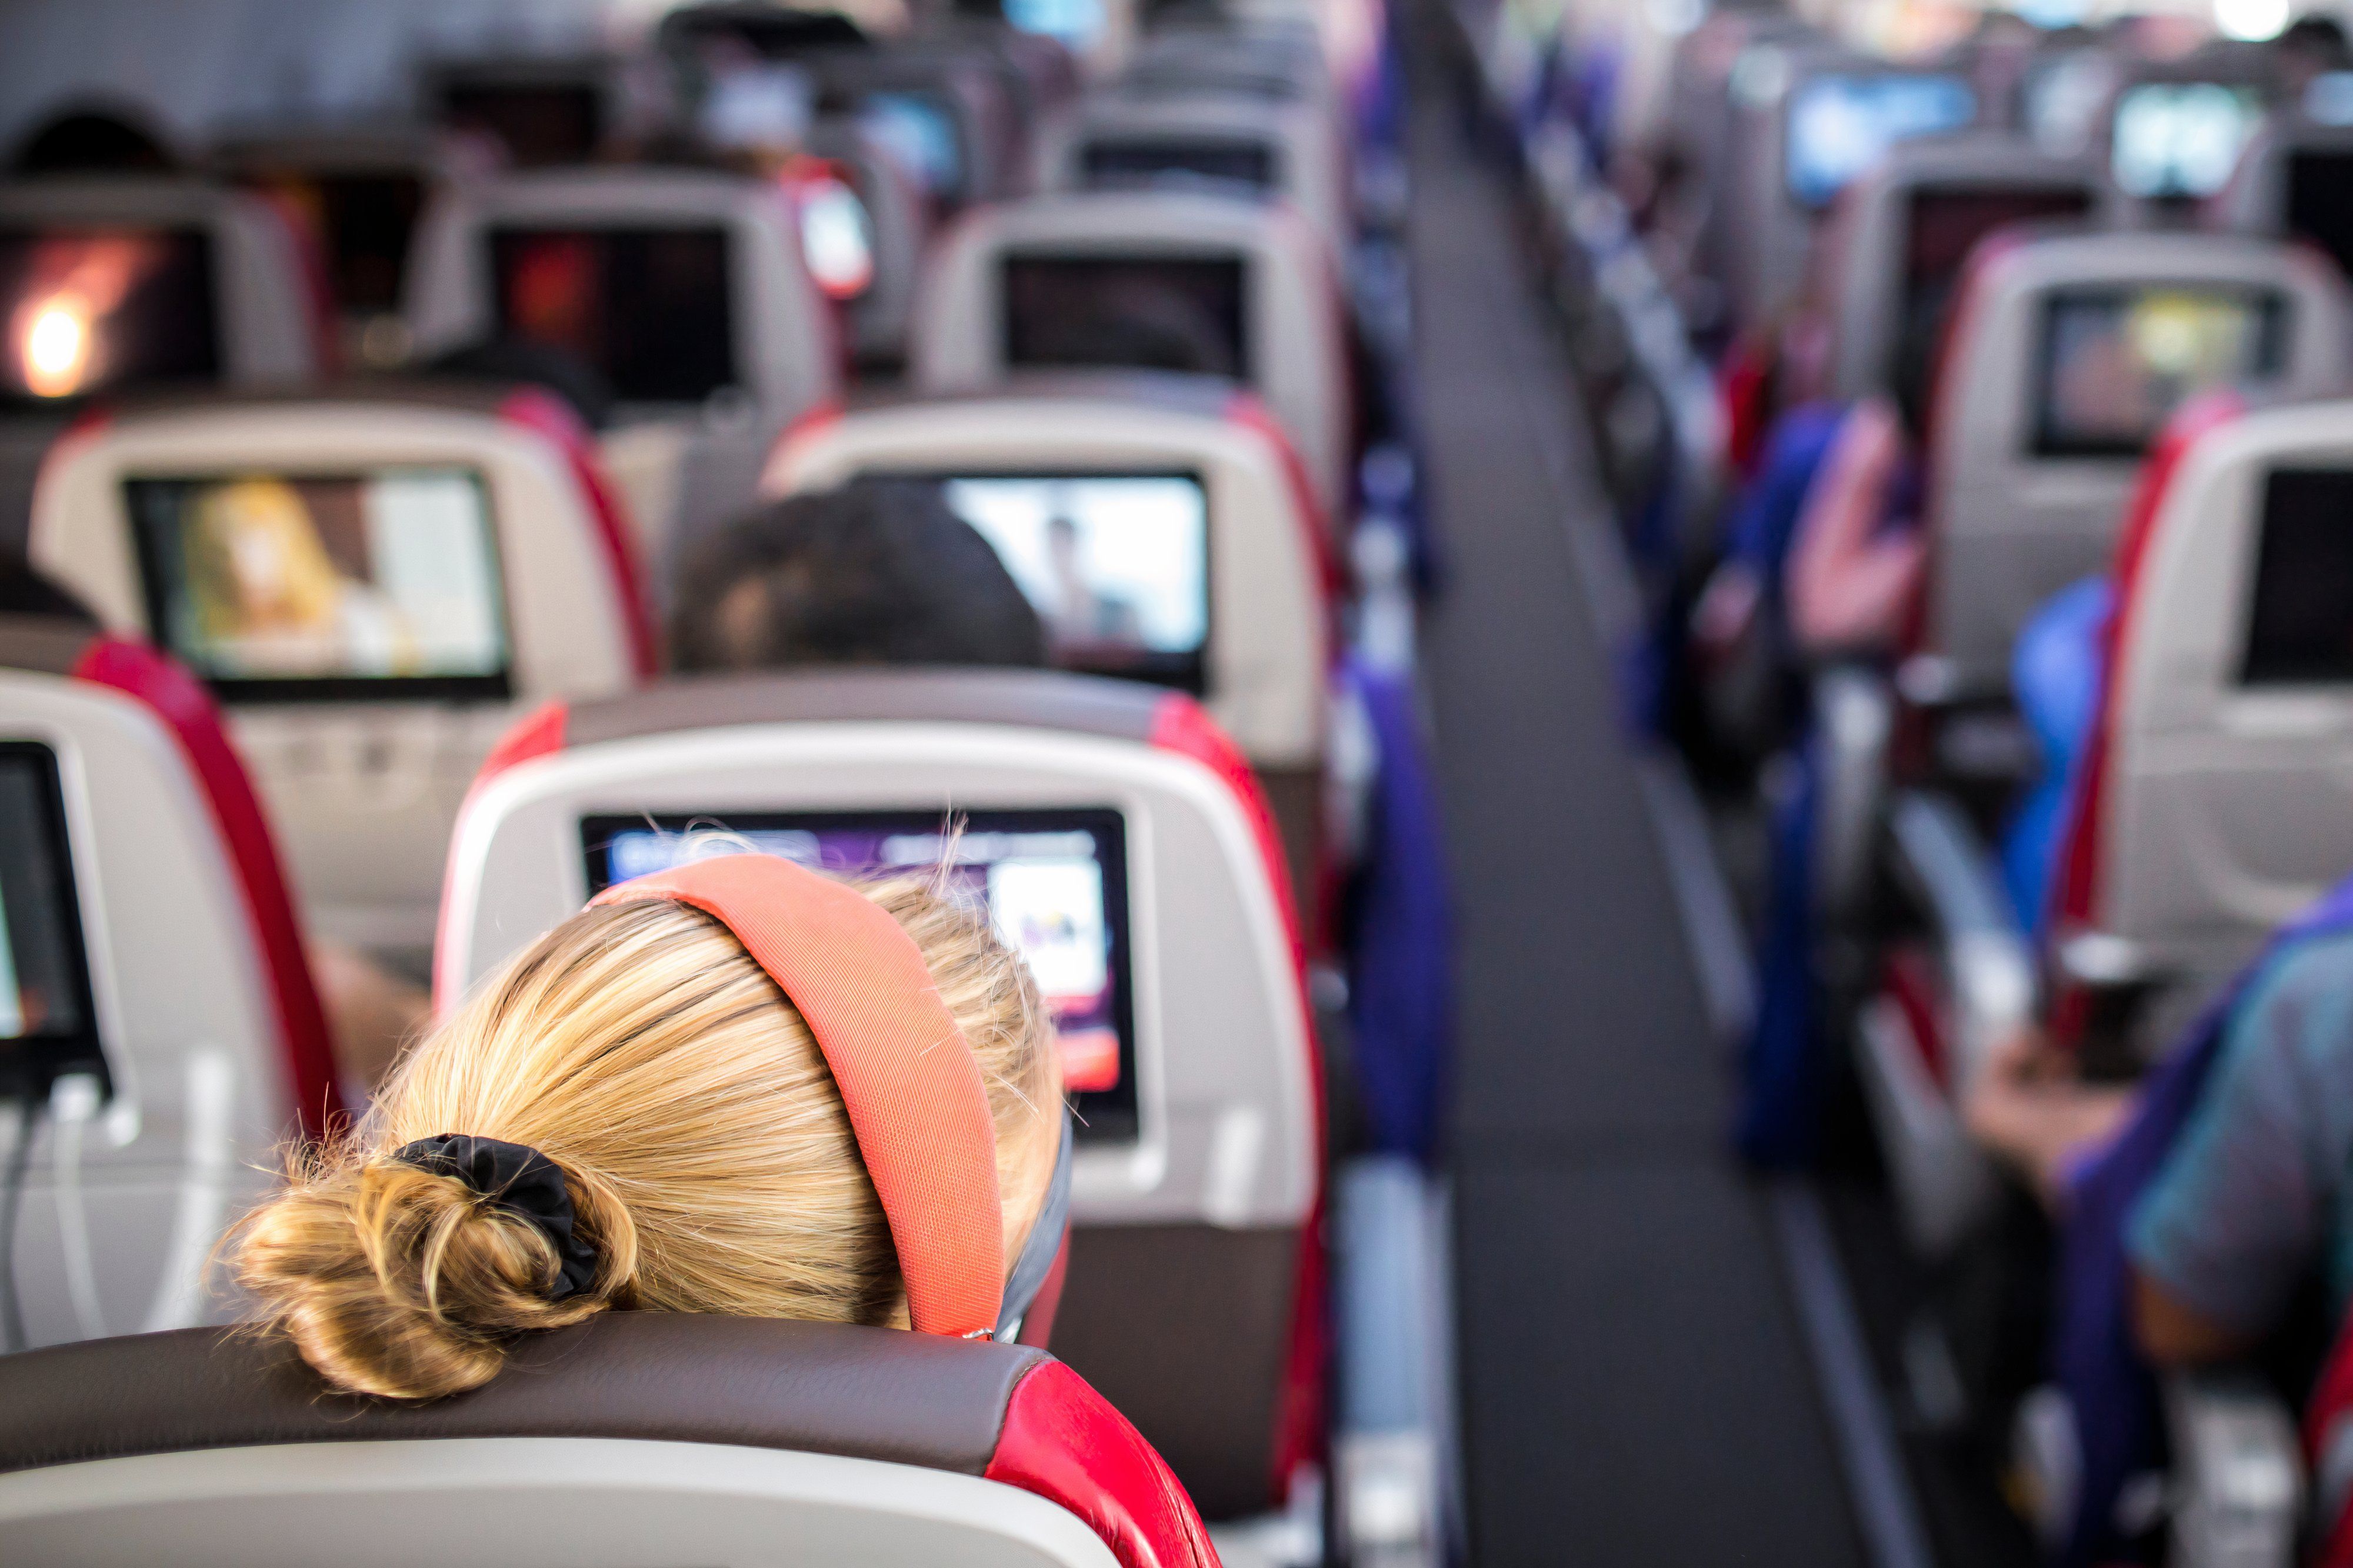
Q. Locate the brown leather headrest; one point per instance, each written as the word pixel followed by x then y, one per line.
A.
pixel 824 1388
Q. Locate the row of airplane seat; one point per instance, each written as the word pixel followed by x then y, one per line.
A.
pixel 377 485
pixel 2020 632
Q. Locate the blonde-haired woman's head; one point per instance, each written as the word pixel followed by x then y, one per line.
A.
pixel 708 1156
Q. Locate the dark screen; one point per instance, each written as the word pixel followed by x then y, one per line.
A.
pixel 648 308
pixel 2320 202
pixel 1052 884
pixel 1144 160
pixel 2300 625
pixel 1114 313
pixel 45 1004
pixel 541 124
pixel 363 222
pixel 92 310
pixel 1942 227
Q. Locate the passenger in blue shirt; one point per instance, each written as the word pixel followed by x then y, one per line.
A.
pixel 2253 1200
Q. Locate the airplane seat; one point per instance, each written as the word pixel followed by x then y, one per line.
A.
pixel 2063 354
pixel 2205 810
pixel 2295 180
pixel 357 192
pixel 157 1006
pixel 1116 838
pixel 898 220
pixel 688 290
pixel 1809 117
pixel 737 1442
pixel 1285 150
pixel 1908 226
pixel 1147 279
pixel 1238 605
pixel 153 281
pixel 374 582
pixel 2193 811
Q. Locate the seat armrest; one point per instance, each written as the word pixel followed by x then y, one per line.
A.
pixel 1985 960
pixel 1391 1455
pixel 1855 722
pixel 2238 1473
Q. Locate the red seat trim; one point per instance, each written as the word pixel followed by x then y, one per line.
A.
pixel 2082 846
pixel 1248 410
pixel 186 709
pixel 1062 1442
pixel 542 412
pixel 1184 726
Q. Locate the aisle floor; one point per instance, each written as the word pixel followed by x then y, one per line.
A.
pixel 1634 1383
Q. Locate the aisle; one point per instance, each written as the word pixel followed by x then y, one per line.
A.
pixel 1634 1383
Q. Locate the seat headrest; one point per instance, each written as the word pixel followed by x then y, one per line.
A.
pixel 760 1383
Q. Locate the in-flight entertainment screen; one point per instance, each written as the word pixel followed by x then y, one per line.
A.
pixel 1051 883
pixel 383 586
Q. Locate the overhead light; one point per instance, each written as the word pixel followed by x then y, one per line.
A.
pixel 2252 21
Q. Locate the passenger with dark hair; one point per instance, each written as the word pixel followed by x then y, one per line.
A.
pixel 91 142
pixel 878 572
pixel 519 360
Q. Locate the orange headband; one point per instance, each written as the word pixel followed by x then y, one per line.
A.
pixel 920 1113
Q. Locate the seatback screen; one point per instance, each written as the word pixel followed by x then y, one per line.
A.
pixel 2300 622
pixel 2116 361
pixel 920 131
pixel 44 1002
pixel 2320 202
pixel 1152 159
pixel 1839 126
pixel 1145 312
pixel 1941 228
pixel 377 586
pixel 1117 566
pixel 1052 884
pixel 96 309
pixel 2181 138
pixel 648 308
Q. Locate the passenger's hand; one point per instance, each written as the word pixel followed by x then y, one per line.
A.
pixel 2031 1109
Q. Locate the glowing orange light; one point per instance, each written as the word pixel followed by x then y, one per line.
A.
pixel 56 347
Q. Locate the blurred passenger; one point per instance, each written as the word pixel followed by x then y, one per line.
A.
pixel 664 1136
pixel 876 572
pixel 91 142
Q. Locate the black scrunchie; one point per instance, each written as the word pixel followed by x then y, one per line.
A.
pixel 520 1180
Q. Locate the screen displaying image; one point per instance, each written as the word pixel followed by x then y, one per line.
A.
pixel 2117 361
pixel 1117 566
pixel 2181 138
pixel 2300 622
pixel 921 133
pixel 1052 884
pixel 1839 126
pixel 326 586
pixel 1134 161
pixel 44 973
pixel 1127 313
pixel 2320 202
pixel 648 308
pixel 87 310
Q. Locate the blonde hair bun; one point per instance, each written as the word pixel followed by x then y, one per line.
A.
pixel 700 1135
